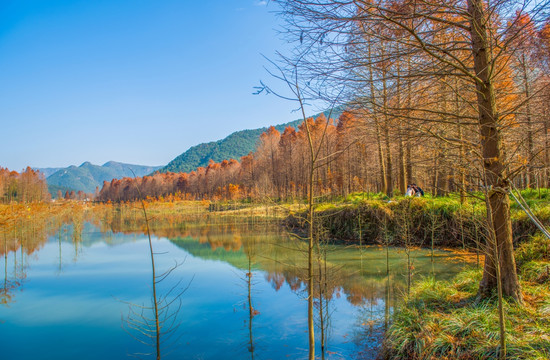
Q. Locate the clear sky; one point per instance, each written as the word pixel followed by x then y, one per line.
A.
pixel 135 81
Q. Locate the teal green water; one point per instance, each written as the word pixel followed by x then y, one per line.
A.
pixel 243 295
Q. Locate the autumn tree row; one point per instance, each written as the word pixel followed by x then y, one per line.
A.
pixel 28 186
pixel 409 70
pixel 277 169
pixel 413 95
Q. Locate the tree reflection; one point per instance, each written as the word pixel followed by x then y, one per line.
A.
pixel 155 324
pixel 338 270
pixel 24 229
pixel 360 277
pixel 250 251
pixel 9 285
pixel 370 278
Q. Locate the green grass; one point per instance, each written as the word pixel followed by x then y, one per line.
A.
pixel 536 249
pixel 445 320
pixel 457 224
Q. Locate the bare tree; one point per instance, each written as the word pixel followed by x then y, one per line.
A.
pixel 288 72
pixel 154 324
pixel 362 43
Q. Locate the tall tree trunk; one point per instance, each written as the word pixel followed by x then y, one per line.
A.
pixel 408 161
pixel 530 145
pixel 493 164
pixel 435 178
pixel 311 219
pixel 389 180
pixel 401 171
pixel 546 155
pixel 383 180
pixel 402 174
pixel 462 151
pixel 443 186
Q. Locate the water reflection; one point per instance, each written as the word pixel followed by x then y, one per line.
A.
pixel 371 279
pixel 250 252
pixel 23 234
pixel 153 325
pixel 79 267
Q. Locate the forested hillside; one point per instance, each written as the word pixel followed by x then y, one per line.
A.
pixel 236 145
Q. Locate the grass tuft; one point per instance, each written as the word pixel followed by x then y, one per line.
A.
pixel 445 320
pixel 537 248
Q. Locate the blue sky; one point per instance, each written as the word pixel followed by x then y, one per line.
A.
pixel 136 81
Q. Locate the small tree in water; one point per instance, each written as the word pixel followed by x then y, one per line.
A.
pixel 154 324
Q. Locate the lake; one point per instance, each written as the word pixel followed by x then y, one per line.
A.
pixel 224 291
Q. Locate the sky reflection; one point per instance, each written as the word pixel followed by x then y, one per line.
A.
pixel 73 296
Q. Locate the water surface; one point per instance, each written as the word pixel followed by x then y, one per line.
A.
pixel 244 294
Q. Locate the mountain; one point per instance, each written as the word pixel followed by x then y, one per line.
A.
pixel 87 176
pixel 236 145
pixel 47 171
pixel 53 189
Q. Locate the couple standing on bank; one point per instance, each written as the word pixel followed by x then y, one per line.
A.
pixel 414 190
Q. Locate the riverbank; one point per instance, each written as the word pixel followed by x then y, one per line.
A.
pixel 437 319
pixel 360 218
pixel 424 222
pixel 445 320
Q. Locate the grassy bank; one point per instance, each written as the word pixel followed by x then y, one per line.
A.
pixel 445 221
pixel 445 320
pixel 362 217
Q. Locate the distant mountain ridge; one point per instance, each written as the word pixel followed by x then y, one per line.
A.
pixel 88 176
pixel 234 146
pixel 47 171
